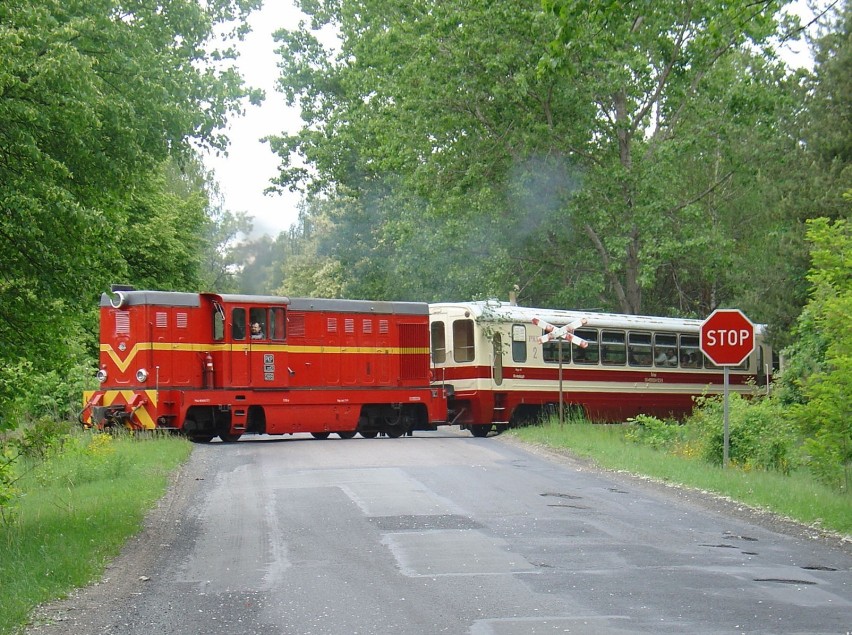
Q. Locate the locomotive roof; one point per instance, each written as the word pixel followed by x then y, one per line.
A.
pixel 497 311
pixel 160 298
pixel 182 299
pixel 359 306
pixel 334 305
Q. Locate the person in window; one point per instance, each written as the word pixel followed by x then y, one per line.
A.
pixel 671 357
pixel 256 331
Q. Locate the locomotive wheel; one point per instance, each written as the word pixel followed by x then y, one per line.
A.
pixel 480 431
pixel 346 435
pixel 230 438
pixel 201 438
pixel 369 434
pixel 320 435
pixel 395 432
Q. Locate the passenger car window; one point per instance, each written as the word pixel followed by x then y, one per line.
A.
pixel 613 351
pixel 439 343
pixel 589 355
pixel 665 349
pixel 639 349
pixel 463 347
pixel 519 343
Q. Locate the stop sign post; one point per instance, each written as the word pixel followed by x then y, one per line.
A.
pixel 727 339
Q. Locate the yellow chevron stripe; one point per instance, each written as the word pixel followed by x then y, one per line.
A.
pixel 123 364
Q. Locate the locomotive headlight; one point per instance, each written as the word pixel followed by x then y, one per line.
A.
pixel 101 375
pixel 141 375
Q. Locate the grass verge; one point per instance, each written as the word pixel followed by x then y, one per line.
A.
pixel 76 511
pixel 797 496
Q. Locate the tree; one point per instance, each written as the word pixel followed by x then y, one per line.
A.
pixel 94 97
pixel 162 242
pixel 589 153
pixel 825 380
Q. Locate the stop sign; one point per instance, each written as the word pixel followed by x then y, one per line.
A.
pixel 727 337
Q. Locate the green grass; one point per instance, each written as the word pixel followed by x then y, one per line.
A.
pixel 797 496
pixel 76 511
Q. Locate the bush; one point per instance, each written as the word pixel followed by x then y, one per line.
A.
pixel 761 434
pixel 655 433
pixel 27 394
pixel 821 361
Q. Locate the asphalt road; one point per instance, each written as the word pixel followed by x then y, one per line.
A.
pixel 444 533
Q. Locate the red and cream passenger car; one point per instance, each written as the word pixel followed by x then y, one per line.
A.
pixel 189 362
pixel 498 374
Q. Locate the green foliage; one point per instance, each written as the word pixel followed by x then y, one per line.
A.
pixel 41 440
pixel 24 450
pixel 76 511
pixel 222 252
pixel 621 159
pixel 825 382
pixel 29 394
pixel 8 491
pixel 162 243
pixel 761 434
pixel 83 460
pixel 654 432
pixel 95 98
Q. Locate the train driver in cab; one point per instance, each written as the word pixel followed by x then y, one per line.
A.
pixel 256 331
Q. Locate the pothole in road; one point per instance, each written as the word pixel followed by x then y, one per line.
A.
pixel 569 506
pixel 784 580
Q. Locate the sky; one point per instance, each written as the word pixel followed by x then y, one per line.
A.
pixel 245 172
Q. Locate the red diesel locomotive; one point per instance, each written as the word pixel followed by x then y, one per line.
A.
pixel 226 365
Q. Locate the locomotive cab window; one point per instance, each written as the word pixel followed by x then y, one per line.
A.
pixel 439 343
pixel 257 322
pixel 218 322
pixel 463 348
pixel 277 322
pixel 238 324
